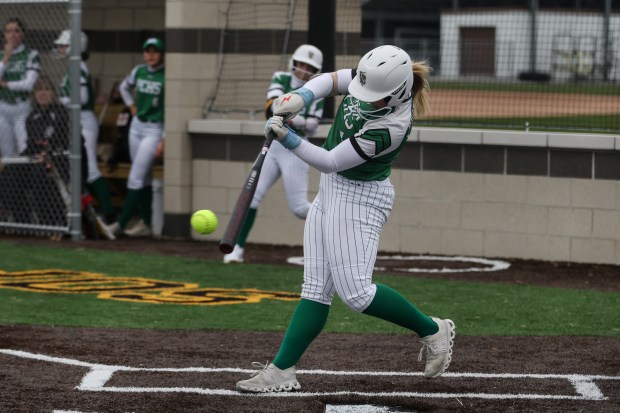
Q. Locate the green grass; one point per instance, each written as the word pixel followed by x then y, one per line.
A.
pixel 611 89
pixel 584 123
pixel 477 308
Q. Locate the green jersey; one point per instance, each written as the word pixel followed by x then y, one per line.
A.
pixel 149 92
pixel 376 134
pixel 22 61
pixel 284 82
pixel 86 89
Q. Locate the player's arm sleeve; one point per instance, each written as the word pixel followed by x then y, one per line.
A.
pixel 33 68
pixel 126 87
pixel 83 90
pixel 26 84
pixel 328 84
pixel 341 158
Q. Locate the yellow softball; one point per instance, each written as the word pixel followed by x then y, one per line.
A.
pixel 204 221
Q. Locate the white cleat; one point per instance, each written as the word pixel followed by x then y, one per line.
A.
pixel 235 256
pixel 139 230
pixel 438 348
pixel 269 379
pixel 108 231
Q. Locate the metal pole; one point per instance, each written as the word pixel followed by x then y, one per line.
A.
pixel 75 130
pixel 533 34
pixel 606 45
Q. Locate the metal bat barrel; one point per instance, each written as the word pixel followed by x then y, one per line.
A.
pixel 242 205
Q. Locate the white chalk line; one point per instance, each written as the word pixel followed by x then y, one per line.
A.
pixel 488 264
pixel 100 374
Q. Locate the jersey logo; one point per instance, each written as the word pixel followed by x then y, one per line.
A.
pixel 363 78
pixel 351 112
pixel 149 87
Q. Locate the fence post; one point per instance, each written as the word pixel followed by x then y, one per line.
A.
pixel 75 59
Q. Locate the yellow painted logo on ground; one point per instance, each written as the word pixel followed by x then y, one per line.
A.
pixel 135 289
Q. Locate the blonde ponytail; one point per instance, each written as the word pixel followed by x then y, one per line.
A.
pixel 421 87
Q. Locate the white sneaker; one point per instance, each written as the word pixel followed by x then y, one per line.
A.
pixel 108 231
pixel 438 348
pixel 235 256
pixel 139 230
pixel 269 379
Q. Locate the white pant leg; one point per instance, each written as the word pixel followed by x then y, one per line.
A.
pixel 269 174
pixel 318 283
pixel 8 145
pixel 355 216
pixel 295 177
pixel 143 140
pixel 90 132
pixel 21 112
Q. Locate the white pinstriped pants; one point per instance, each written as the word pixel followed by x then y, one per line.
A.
pixel 341 238
pixel 282 162
pixel 90 132
pixel 13 134
pixel 143 140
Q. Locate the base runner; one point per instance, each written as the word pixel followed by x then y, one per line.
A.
pixel 355 199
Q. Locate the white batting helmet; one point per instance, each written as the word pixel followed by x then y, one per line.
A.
pixel 311 55
pixel 64 39
pixel 384 72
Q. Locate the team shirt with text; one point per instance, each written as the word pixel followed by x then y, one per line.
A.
pixel 16 68
pixel 149 92
pixel 376 134
pixel 85 82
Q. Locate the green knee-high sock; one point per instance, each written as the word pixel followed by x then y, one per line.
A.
pixel 247 226
pixel 391 306
pixel 131 201
pixel 146 204
pixel 99 188
pixel 307 322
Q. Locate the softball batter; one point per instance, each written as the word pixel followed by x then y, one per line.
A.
pixel 95 183
pixel 145 135
pixel 353 204
pixel 306 61
pixel 19 70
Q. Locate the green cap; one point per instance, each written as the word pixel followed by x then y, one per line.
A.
pixel 155 42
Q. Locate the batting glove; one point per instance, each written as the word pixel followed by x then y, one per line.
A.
pixel 276 129
pixel 290 104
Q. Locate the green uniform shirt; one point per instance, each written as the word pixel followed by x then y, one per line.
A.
pixel 16 68
pixel 281 83
pixel 376 134
pixel 149 92
pixel 85 82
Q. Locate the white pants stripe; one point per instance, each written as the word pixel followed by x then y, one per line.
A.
pixel 341 239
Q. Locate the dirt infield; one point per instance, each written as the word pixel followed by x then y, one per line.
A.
pixel 58 369
pixel 481 104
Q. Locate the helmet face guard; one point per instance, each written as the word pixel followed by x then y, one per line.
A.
pixel 383 73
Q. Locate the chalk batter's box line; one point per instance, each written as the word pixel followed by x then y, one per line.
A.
pixel 100 374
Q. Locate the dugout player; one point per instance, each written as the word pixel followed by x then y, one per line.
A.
pixel 143 92
pixel 19 69
pixel 305 62
pixel 95 183
pixel 355 198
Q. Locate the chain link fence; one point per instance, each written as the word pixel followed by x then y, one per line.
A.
pixel 35 127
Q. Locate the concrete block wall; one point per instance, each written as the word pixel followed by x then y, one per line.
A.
pixel 527 215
